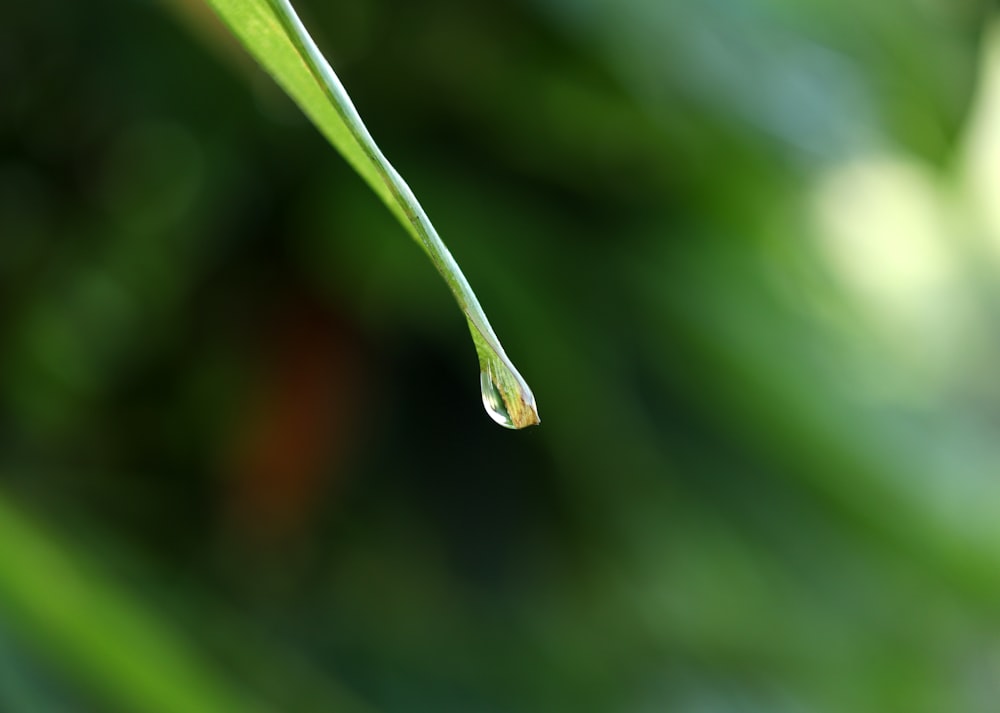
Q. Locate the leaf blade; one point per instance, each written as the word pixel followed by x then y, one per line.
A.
pixel 274 35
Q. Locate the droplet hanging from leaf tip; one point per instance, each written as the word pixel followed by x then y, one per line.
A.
pixel 507 401
pixel 493 401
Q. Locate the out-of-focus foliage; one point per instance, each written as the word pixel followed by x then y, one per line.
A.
pixel 746 253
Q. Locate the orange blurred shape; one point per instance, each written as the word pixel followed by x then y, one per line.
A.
pixel 291 439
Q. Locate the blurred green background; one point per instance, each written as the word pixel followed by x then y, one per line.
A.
pixel 746 252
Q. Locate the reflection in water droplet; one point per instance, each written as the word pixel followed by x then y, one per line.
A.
pixel 493 401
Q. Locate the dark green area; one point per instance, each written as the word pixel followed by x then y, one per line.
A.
pixel 243 459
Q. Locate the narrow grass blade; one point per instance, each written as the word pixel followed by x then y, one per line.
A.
pixel 107 637
pixel 274 35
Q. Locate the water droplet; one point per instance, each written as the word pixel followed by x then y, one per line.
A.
pixel 493 400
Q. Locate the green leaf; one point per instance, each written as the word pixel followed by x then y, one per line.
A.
pixel 112 641
pixel 275 36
